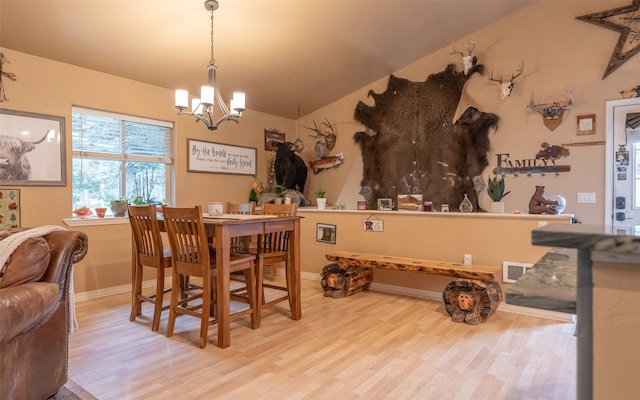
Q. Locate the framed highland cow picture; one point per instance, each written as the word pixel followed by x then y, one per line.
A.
pixel 32 149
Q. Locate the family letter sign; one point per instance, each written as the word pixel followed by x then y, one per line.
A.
pixel 220 158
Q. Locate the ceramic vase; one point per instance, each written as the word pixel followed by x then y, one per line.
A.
pixel 497 207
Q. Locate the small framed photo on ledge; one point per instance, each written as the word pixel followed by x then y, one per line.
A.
pixel 385 204
pixel 326 233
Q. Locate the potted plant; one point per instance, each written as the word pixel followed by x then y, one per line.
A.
pixel 321 200
pixel 278 190
pixel 119 206
pixel 495 190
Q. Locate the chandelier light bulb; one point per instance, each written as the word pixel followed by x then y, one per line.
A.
pixel 196 106
pixel 206 95
pixel 182 99
pixel 237 102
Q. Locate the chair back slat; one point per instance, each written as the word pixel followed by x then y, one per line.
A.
pixel 276 241
pixel 188 240
pixel 280 209
pixel 240 244
pixel 146 234
pixel 240 208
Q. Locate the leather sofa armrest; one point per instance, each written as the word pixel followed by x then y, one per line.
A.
pixel 67 248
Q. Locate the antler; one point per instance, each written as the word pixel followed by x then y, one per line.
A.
pixel 551 110
pixel 454 51
pixel 471 47
pixel 491 78
pixel 570 103
pixel 517 72
pixel 532 105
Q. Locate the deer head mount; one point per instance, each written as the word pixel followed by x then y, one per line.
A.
pixel 551 112
pixel 468 61
pixel 506 86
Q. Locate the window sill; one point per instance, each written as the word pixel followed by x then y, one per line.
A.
pixel 96 221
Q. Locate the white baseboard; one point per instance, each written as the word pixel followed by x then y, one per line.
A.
pixel 379 287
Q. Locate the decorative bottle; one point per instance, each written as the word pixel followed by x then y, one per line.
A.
pixel 465 205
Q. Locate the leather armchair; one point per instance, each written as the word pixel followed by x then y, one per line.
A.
pixel 34 316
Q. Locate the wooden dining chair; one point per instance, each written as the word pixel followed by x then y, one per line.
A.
pixel 240 244
pixel 271 249
pixel 149 252
pixel 192 256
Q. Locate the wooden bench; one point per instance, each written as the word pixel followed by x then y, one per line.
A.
pixel 471 299
pixel 480 272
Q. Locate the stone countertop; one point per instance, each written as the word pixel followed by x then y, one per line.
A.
pixel 550 284
pixel 603 246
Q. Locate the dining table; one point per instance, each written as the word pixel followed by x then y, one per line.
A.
pixel 221 229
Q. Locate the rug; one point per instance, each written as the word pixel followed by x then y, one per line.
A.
pixel 65 394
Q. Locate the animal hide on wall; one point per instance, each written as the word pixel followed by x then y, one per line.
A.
pixel 410 146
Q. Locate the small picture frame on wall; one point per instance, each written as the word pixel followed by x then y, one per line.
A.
pixel 586 124
pixel 326 233
pixel 373 225
pixel 385 204
pixel 9 209
pixel 272 138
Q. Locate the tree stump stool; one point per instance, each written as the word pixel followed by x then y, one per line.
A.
pixel 338 282
pixel 471 301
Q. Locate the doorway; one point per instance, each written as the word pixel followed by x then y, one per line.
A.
pixel 622 179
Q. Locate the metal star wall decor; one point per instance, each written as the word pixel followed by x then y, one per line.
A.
pixel 625 20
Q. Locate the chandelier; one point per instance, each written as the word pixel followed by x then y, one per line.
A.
pixel 203 108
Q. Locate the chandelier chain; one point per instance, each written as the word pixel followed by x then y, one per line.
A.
pixel 212 61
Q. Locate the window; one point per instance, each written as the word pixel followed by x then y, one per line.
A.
pixel 117 156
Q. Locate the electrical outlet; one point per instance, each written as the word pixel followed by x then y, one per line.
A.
pixel 586 197
pixel 541 224
pixel 467 259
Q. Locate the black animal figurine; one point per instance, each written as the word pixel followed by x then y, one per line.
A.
pixel 290 168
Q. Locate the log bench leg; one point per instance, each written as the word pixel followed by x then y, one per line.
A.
pixel 471 301
pixel 338 281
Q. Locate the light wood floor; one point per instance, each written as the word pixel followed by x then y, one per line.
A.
pixel 370 345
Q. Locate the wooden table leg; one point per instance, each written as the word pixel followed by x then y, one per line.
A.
pixel 223 252
pixel 293 278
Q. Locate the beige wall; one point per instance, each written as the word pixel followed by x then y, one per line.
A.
pixel 48 87
pixel 559 52
pixel 490 239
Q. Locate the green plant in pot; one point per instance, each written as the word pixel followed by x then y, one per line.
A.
pixel 119 206
pixel 495 190
pixel 321 200
pixel 278 190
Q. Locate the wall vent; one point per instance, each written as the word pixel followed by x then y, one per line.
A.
pixel 512 271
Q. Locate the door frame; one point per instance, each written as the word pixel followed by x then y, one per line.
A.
pixel 611 107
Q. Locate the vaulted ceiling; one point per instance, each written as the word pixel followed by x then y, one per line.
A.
pixel 285 54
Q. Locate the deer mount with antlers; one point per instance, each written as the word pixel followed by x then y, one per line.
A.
pixel 552 112
pixel 468 61
pixel 506 86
